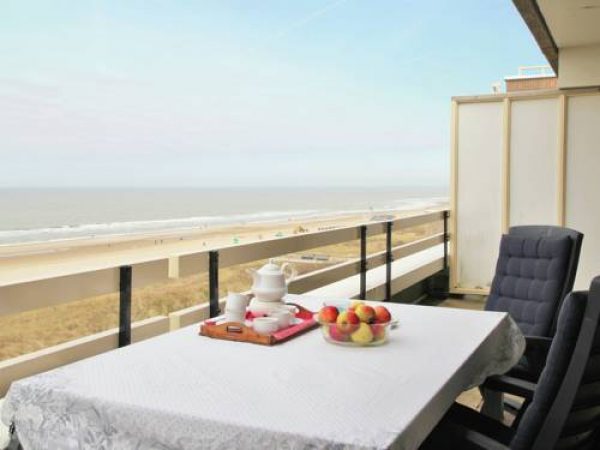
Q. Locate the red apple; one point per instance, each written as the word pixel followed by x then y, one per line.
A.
pixel 365 313
pixel 337 335
pixel 382 315
pixel 328 314
pixel 347 321
pixel 378 331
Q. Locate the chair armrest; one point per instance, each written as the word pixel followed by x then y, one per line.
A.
pixel 536 352
pixel 538 343
pixel 511 385
pixel 461 433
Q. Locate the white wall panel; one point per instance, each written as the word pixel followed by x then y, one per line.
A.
pixel 583 181
pixel 535 173
pixel 534 162
pixel 479 192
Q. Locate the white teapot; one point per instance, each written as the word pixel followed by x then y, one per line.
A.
pixel 270 281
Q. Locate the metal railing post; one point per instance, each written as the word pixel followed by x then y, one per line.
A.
pixel 213 283
pixel 389 258
pixel 363 261
pixel 446 238
pixel 125 277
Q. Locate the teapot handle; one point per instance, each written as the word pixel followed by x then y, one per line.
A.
pixel 291 272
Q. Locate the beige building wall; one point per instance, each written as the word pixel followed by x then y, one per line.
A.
pixel 529 84
pixel 583 181
pixel 579 66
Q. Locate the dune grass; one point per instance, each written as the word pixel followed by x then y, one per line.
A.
pixel 33 330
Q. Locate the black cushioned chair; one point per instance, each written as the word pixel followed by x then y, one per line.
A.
pixel 536 269
pixel 565 408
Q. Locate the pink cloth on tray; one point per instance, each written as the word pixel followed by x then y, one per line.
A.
pixel 294 329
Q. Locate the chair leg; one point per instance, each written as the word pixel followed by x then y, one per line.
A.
pixel 493 404
pixel 519 414
pixel 512 406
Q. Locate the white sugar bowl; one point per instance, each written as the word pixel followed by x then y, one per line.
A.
pixel 265 325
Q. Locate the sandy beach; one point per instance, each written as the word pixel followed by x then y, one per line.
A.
pixel 32 260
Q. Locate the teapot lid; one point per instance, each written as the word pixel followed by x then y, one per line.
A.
pixel 270 269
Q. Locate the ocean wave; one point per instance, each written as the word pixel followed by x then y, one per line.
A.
pixel 72 231
pixel 81 231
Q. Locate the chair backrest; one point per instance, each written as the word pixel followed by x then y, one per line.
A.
pixel 551 231
pixel 565 410
pixel 536 268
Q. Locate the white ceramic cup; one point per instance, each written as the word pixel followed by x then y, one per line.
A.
pixel 284 317
pixel 231 315
pixel 236 302
pixel 291 308
pixel 265 325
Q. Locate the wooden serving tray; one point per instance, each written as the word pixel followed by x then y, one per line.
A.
pixel 235 331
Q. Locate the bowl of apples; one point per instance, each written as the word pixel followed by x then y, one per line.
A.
pixel 355 324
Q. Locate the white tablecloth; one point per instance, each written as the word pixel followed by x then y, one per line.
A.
pixel 183 391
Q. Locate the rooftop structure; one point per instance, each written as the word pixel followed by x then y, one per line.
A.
pixel 531 78
pixel 569 36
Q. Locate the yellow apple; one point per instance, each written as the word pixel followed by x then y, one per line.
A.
pixel 354 304
pixel 363 335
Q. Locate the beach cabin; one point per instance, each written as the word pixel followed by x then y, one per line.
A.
pixel 524 157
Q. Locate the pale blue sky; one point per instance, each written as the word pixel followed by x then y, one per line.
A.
pixel 246 92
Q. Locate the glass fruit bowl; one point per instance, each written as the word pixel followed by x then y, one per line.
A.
pixel 362 335
pixel 355 324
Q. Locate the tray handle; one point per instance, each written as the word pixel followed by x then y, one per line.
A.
pixel 238 329
pixel 302 311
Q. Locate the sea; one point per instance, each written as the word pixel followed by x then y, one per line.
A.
pixel 50 214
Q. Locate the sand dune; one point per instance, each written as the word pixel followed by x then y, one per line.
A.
pixel 32 330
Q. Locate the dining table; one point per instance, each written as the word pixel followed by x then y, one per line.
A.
pixel 181 390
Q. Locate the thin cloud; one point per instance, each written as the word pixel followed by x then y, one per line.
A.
pixel 309 18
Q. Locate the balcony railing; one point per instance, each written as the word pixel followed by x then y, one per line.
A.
pixel 62 287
